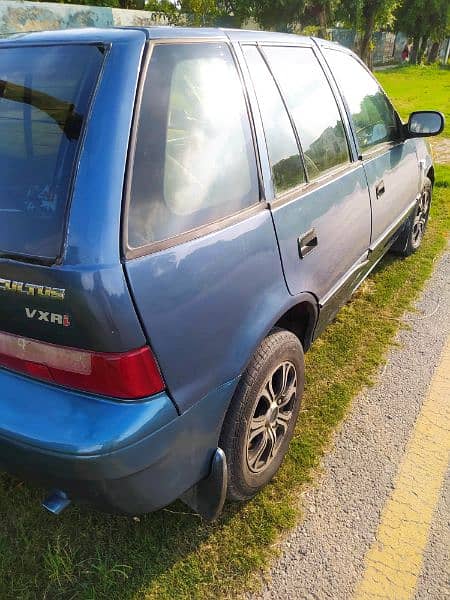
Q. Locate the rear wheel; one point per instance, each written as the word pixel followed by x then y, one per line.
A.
pixel 262 415
pixel 411 238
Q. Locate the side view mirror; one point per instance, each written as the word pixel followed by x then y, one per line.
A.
pixel 423 123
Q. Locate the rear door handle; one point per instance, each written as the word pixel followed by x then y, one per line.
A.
pixel 379 188
pixel 307 242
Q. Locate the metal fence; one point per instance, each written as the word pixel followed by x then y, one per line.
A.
pixel 388 46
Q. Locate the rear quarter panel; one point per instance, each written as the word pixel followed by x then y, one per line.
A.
pixel 206 304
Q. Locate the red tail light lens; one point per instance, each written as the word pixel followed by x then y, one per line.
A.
pixel 128 375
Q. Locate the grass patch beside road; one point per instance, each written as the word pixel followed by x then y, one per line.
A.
pixel 87 555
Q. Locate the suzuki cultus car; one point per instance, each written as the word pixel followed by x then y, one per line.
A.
pixel 182 211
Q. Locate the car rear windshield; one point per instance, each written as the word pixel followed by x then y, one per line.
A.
pixel 44 98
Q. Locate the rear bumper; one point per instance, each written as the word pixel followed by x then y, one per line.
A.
pixel 123 457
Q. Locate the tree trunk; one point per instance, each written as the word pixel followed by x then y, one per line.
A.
pixel 415 49
pixel 432 56
pixel 421 50
pixel 323 22
pixel 367 37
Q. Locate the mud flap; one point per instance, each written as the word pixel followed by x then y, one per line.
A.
pixel 207 497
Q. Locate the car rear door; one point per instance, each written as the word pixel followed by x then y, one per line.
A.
pixel 202 256
pixel 390 162
pixel 320 202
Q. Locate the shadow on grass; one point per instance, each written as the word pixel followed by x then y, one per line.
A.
pixel 84 553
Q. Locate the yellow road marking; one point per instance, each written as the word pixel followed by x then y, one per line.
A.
pixel 394 561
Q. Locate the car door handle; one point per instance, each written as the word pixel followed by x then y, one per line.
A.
pixel 307 242
pixel 379 188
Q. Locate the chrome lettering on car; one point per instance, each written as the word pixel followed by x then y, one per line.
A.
pixel 31 289
pixel 48 317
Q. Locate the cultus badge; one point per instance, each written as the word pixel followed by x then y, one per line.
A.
pixel 31 289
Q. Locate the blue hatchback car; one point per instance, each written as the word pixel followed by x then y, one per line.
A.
pixel 182 211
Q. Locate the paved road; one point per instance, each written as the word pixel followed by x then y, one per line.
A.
pixel 335 552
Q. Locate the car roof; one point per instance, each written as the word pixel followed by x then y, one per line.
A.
pixel 112 34
pixel 218 32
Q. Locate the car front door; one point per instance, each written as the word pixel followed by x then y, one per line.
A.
pixel 320 202
pixel 390 161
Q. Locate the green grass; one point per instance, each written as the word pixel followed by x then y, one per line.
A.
pixel 169 554
pixel 418 88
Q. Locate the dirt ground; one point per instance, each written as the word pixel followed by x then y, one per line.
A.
pixel 441 150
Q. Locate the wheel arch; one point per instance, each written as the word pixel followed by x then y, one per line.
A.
pixel 299 316
pixel 300 319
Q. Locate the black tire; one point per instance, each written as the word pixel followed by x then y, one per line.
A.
pixel 260 403
pixel 411 238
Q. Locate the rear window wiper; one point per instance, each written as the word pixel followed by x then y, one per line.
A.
pixel 63 113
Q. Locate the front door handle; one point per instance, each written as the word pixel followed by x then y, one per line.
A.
pixel 307 242
pixel 379 188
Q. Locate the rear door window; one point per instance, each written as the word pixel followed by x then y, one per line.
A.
pixel 44 97
pixel 194 160
pixel 313 107
pixel 284 156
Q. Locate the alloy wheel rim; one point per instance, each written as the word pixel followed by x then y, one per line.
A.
pixel 271 417
pixel 421 218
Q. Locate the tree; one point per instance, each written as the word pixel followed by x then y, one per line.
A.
pixel 286 15
pixel 276 14
pixel 421 20
pixel 366 16
pixel 319 13
pixel 238 10
pixel 202 12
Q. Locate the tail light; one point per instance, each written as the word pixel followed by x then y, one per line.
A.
pixel 127 375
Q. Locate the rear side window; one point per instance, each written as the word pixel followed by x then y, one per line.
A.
pixel 313 107
pixel 287 167
pixel 44 99
pixel 194 160
pixel 373 116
